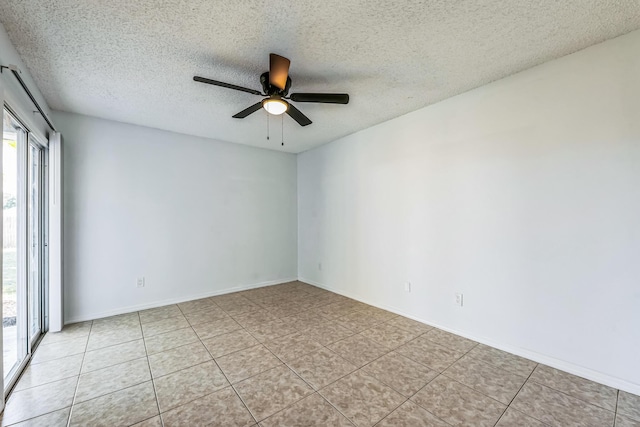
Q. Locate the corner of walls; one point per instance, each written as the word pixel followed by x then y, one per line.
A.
pixel 154 304
pixel 192 216
pixel 519 194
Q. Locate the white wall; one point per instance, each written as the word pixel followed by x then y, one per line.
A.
pixel 524 195
pixel 194 216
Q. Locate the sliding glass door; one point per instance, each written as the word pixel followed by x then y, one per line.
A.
pixel 34 240
pixel 22 245
pixel 13 260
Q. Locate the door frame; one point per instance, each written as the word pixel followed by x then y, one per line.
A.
pixel 32 140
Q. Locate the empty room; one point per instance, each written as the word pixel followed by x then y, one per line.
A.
pixel 421 213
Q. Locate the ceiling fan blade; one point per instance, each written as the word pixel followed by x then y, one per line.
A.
pixel 298 116
pixel 244 113
pixel 278 70
pixel 227 85
pixel 326 98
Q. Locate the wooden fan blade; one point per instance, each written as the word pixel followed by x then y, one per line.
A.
pixel 227 85
pixel 325 98
pixel 250 110
pixel 297 115
pixel 278 70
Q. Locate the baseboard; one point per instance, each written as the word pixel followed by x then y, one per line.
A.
pixel 562 365
pixel 154 304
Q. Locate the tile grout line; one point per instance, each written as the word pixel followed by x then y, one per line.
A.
pixel 406 399
pixel 283 364
pixel 568 395
pixel 409 400
pixel 291 369
pixel 153 383
pixel 57 358
pixel 106 367
pixel 302 379
pixel 223 373
pixel 525 382
pixel 572 396
pixel 112 345
pixel 615 414
pixel 494 366
pixel 219 368
pixel 516 395
pixel 123 388
pixel 442 373
pixel 411 360
pixel 317 391
pixel 29 364
pixel 502 369
pixel 75 393
pixel 62 340
pixel 179 370
pixel 479 392
pixel 47 382
pixel 86 373
pixel 74 402
pixel 430 367
pixel 37 416
pixel 428 382
pixel 173 348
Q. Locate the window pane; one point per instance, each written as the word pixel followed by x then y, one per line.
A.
pixel 35 249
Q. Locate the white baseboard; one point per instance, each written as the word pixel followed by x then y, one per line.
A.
pixel 154 304
pixel 562 365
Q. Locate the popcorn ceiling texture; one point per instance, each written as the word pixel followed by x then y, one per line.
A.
pixel 133 61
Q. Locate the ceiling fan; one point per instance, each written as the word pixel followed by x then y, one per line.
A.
pixel 276 84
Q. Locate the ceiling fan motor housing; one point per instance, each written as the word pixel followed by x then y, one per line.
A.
pixel 272 90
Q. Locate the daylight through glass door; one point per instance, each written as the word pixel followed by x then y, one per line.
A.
pixel 22 245
pixel 13 260
pixel 34 241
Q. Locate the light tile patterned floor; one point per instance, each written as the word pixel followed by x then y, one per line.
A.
pixel 294 355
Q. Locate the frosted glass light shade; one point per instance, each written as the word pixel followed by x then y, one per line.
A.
pixel 275 106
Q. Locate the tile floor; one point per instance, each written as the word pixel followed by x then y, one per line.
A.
pixel 293 355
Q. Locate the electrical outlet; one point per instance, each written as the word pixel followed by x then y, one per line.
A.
pixel 459 299
pixel 141 282
pixel 407 286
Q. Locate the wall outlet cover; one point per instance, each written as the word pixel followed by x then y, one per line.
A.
pixel 459 299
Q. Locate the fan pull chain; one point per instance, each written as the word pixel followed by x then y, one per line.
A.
pixel 282 128
pixel 267 126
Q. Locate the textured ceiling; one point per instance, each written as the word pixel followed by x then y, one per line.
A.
pixel 133 61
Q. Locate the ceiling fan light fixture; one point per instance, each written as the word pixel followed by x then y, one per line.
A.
pixel 275 106
pixel 275 84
